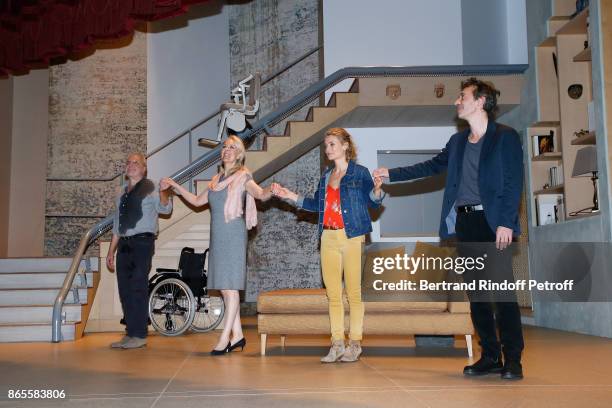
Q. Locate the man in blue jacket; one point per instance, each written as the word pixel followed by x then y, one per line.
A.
pixel 484 180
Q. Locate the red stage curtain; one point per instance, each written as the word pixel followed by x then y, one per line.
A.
pixel 32 32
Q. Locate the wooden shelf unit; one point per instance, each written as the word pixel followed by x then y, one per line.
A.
pixel 583 56
pixel 586 139
pixel 553 156
pixel 562 63
pixel 550 190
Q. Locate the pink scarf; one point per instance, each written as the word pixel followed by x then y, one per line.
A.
pixel 236 185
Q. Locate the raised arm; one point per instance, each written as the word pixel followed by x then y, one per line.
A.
pixel 191 198
pixel 436 165
pixel 263 194
pixel 304 203
pixel 164 203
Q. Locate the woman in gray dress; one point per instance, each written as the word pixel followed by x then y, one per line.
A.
pixel 231 195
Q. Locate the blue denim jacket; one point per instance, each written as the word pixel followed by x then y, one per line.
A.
pixel 356 194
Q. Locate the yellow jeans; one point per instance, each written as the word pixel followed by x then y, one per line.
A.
pixel 338 254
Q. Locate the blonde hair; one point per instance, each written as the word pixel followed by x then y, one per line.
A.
pixel 344 137
pixel 240 159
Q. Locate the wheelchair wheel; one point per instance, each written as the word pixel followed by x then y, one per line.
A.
pixel 171 307
pixel 209 313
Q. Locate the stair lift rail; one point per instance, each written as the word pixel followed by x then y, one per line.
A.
pixel 263 125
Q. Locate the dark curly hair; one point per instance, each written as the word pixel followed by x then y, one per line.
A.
pixel 485 89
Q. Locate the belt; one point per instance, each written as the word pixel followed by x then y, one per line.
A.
pixel 329 227
pixel 469 208
pixel 143 235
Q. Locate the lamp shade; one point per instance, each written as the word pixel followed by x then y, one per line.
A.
pixel 586 161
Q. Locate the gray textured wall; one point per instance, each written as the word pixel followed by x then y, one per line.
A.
pixel 264 36
pixel 97 115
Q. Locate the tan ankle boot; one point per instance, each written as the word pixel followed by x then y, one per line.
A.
pixel 352 353
pixel 335 352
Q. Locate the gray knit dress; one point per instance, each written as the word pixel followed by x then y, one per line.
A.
pixel 228 245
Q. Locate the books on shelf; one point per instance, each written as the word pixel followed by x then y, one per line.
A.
pixel 555 175
pixel 550 209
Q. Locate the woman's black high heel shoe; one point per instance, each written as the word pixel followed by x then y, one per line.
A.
pixel 240 343
pixel 227 349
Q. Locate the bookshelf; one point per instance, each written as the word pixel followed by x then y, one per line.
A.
pixel 564 81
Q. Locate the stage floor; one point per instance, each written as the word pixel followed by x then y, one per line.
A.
pixel 561 370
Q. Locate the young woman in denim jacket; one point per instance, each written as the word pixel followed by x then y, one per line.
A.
pixel 345 192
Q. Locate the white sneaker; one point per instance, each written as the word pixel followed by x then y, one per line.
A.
pixel 134 342
pixel 120 343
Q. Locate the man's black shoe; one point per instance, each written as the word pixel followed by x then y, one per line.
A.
pixel 483 366
pixel 512 371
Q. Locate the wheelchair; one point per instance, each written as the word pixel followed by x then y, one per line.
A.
pixel 179 299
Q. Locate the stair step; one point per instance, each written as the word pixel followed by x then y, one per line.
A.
pixel 44 265
pixel 39 280
pixel 36 314
pixel 277 144
pixel 205 235
pixel 182 243
pixel 19 297
pixel 34 332
pixel 199 227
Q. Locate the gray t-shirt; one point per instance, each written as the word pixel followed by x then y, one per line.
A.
pixel 469 193
pixel 137 211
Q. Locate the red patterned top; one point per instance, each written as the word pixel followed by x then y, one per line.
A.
pixel 332 217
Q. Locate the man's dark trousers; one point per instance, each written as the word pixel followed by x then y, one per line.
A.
pixel 473 227
pixel 134 255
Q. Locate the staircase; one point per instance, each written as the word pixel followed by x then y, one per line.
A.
pixel 28 288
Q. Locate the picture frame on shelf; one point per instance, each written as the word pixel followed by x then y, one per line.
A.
pixel 544 143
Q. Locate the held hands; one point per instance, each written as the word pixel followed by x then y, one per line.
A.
pixel 278 190
pixel 378 182
pixel 282 192
pixel 380 172
pixel 378 175
pixel 166 183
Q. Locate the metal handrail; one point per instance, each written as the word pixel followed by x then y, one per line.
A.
pixel 285 110
pixel 189 131
pixel 56 322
